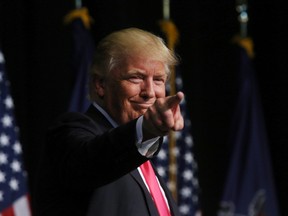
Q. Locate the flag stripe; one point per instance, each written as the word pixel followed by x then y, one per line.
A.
pixel 21 207
pixel 8 212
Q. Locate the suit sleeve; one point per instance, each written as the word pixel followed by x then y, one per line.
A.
pixel 82 152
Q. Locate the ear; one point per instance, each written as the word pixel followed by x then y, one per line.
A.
pixel 99 86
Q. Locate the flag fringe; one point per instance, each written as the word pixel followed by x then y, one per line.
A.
pixel 81 13
pixel 246 43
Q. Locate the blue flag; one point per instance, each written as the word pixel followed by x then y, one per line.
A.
pixel 14 199
pixel 249 189
pixel 184 185
pixel 83 54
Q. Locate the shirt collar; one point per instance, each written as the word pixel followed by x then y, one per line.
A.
pixel 107 116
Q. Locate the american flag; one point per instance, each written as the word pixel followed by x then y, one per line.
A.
pixel 177 165
pixel 13 191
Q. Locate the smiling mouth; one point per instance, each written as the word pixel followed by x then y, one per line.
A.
pixel 142 105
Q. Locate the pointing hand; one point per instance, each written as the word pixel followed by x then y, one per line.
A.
pixel 164 115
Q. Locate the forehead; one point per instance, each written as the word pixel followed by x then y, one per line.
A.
pixel 145 65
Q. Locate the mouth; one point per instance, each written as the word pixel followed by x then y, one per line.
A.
pixel 142 106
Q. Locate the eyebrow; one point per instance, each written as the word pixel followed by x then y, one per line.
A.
pixel 136 71
pixel 142 72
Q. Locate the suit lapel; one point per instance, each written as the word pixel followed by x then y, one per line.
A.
pixel 149 202
pixel 151 206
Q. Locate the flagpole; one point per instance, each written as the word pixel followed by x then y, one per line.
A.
pixel 166 9
pixel 171 35
pixel 242 38
pixel 241 7
pixel 178 142
pixel 78 4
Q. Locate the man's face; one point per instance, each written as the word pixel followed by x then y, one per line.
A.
pixel 131 88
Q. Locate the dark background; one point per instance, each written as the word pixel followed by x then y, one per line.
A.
pixel 38 50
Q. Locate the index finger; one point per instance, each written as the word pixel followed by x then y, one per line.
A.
pixel 174 100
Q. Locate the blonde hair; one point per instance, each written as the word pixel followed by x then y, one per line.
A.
pixel 120 45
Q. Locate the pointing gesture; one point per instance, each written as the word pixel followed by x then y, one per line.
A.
pixel 164 115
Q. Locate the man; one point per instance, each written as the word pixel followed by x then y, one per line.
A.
pixel 93 162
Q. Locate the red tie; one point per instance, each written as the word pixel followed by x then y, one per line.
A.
pixel 155 191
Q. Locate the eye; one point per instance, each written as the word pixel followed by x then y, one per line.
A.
pixel 135 79
pixel 159 80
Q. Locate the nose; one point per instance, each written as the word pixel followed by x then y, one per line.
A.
pixel 147 89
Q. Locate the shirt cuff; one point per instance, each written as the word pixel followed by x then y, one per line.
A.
pixel 149 147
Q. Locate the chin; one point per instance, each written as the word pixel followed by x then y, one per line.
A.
pixel 134 116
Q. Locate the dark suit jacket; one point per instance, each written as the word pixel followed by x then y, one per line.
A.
pixel 89 168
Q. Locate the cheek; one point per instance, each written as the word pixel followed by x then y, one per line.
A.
pixel 130 90
pixel 121 94
pixel 114 93
pixel 160 91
